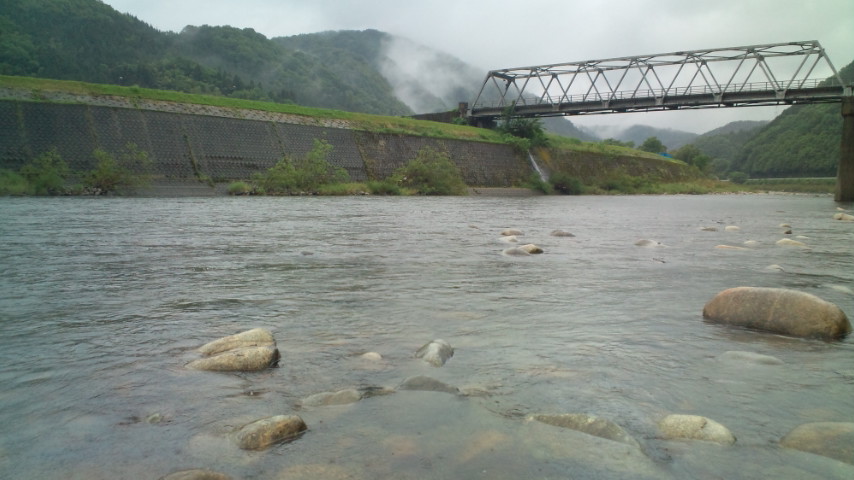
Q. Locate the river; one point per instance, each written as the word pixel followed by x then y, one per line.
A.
pixel 103 301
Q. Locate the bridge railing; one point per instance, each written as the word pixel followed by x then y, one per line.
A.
pixel 548 98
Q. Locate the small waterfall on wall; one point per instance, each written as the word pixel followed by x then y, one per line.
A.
pixel 540 172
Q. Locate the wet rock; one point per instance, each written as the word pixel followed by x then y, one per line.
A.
pixel 244 359
pixel 645 242
pixel 196 474
pixel 843 217
pixel 775 267
pixel 590 425
pixel 731 228
pixel 243 352
pixel 751 243
pixel 778 310
pixel 708 229
pixel 561 233
pixel 788 242
pixel 829 439
pixel 257 337
pixel 435 353
pixel 427 384
pixel 317 472
pixel 509 239
pixel 742 358
pixel 785 225
pixel 511 231
pixel 265 432
pixel 341 397
pixel 515 252
pixel 372 356
pixel 730 247
pixel 694 427
pixel 531 248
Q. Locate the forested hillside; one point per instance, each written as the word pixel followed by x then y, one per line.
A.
pixel 802 141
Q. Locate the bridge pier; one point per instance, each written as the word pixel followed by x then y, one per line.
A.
pixel 845 172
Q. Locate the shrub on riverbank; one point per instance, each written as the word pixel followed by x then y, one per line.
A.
pixel 302 175
pixel 111 174
pixel 431 173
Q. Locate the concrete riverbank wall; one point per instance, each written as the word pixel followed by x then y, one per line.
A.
pixel 198 144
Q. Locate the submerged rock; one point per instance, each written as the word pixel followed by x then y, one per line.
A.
pixel 730 247
pixel 731 228
pixel 509 239
pixel 435 353
pixel 778 310
pixel 531 248
pixel 741 358
pixel 515 252
pixel 341 397
pixel 257 337
pixel 694 427
pixel 196 474
pixel 372 356
pixel 427 384
pixel 843 217
pixel 788 242
pixel 265 432
pixel 590 425
pixel 829 439
pixel 244 359
pixel 511 231
pixel 561 233
pixel 645 242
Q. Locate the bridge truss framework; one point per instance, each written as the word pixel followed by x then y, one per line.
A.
pixel 770 74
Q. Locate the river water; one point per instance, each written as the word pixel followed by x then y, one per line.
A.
pixel 103 301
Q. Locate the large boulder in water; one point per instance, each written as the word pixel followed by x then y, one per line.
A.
pixel 243 352
pixel 435 353
pixel 265 432
pixel 694 427
pixel 778 310
pixel 257 337
pixel 245 359
pixel 829 439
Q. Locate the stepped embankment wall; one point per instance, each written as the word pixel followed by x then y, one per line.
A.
pixel 198 144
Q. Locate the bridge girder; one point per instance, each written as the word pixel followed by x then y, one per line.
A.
pixel 770 74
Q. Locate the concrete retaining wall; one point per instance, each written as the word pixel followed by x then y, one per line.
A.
pixel 189 147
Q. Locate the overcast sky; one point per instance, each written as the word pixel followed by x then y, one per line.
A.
pixel 494 34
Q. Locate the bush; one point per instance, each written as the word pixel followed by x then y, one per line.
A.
pixel 738 177
pixel 130 170
pixel 565 184
pixel 384 187
pixel 431 173
pixel 302 175
pixel 536 183
pixel 239 188
pixel 46 174
pixel 11 183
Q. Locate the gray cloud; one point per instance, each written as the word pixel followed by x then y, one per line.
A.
pixel 492 34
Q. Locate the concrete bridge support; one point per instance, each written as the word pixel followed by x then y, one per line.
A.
pixel 845 173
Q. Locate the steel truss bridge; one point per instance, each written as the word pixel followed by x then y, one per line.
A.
pixel 772 74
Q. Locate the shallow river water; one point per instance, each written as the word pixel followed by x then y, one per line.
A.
pixel 103 302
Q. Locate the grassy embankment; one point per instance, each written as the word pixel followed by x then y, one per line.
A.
pixel 576 167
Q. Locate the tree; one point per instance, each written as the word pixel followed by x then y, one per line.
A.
pixel 692 155
pixel 653 145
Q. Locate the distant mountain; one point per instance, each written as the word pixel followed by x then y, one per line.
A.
pixel 564 127
pixel 672 139
pixel 360 71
